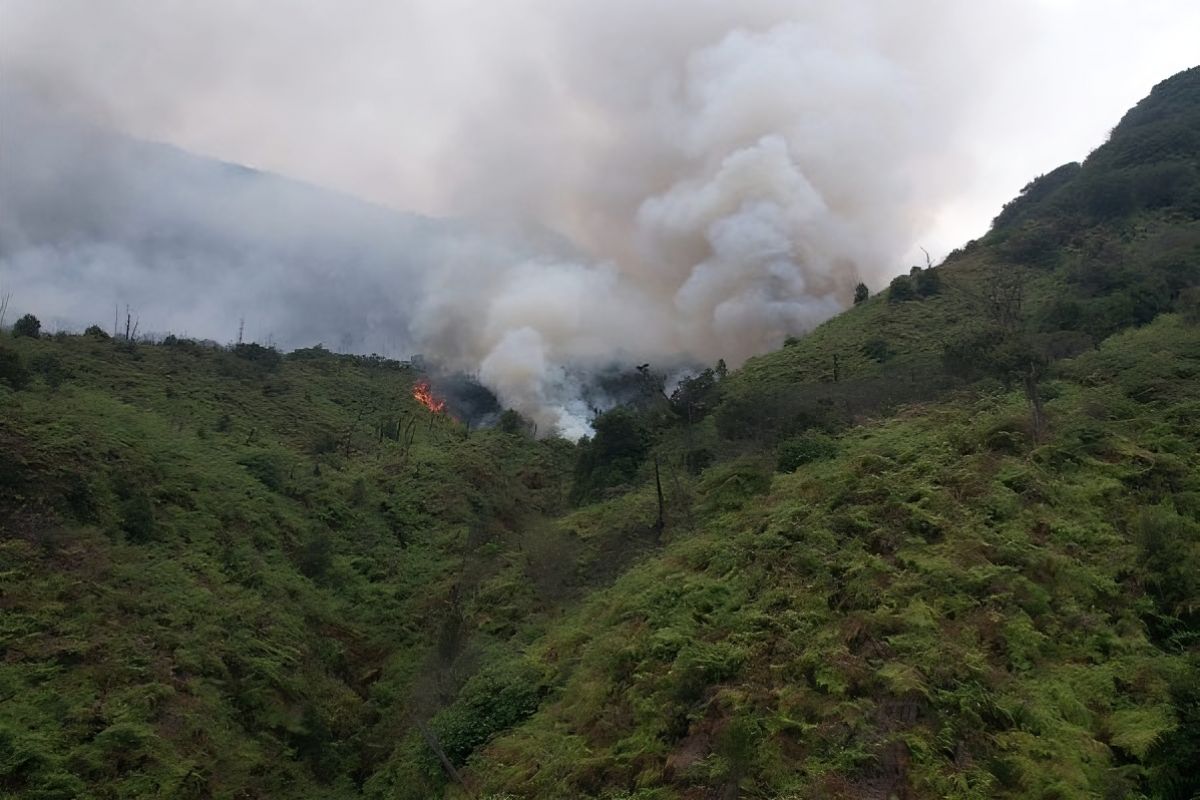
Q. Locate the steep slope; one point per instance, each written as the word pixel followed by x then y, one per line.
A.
pixel 973 576
pixel 224 571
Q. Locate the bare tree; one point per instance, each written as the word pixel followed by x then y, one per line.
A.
pixel 5 297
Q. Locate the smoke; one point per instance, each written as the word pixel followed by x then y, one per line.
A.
pixel 662 181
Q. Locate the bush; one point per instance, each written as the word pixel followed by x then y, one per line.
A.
pixel 492 701
pixel 12 369
pixel 901 289
pixel 515 424
pixel 265 467
pixel 698 460
pixel 266 357
pixel 96 332
pixel 28 325
pixel 51 368
pixel 316 556
pixel 1188 305
pixel 877 350
pixel 137 516
pixel 927 282
pixel 730 486
pixel 805 449
pixel 861 293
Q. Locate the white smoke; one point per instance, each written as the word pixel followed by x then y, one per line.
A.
pixel 735 169
pixel 693 179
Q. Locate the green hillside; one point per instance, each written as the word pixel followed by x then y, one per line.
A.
pixel 945 546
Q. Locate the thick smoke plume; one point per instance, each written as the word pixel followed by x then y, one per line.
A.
pixel 646 181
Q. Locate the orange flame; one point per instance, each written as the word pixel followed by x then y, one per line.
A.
pixel 424 395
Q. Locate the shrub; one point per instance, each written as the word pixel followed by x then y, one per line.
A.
pixel 861 293
pixel 1188 305
pixel 927 282
pixel 316 556
pixel 901 289
pixel 28 325
pixel 729 486
pixel 96 332
pixel 266 357
pixel 51 368
pixel 12 369
pixel 877 350
pixel 698 460
pixel 515 424
pixel 137 516
pixel 494 700
pixel 265 467
pixel 805 449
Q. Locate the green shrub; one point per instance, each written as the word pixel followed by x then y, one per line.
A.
pixel 266 357
pixel 51 368
pixel 137 516
pixel 265 467
pixel 12 369
pixel 96 332
pixel 494 700
pixel 877 350
pixel 927 282
pixel 901 289
pixel 316 555
pixel 513 423
pixel 728 487
pixel 805 449
pixel 1188 305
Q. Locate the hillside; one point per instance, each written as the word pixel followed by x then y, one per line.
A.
pixel 196 246
pixel 945 546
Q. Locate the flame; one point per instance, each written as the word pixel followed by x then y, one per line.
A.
pixel 424 395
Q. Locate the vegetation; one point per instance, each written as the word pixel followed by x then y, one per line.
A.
pixel 945 546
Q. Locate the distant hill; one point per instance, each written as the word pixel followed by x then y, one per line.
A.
pixel 90 218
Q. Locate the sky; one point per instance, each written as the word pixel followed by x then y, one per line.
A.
pixel 715 175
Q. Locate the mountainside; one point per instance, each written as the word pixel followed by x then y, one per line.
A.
pixel 946 546
pixel 90 219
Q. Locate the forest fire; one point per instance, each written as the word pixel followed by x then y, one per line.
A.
pixel 424 395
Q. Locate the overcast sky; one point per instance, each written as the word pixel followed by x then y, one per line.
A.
pixel 366 95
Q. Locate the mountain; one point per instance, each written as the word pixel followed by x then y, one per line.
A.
pixel 91 220
pixel 947 545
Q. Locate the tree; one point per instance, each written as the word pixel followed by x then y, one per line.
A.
pixel 612 457
pixel 696 396
pixel 28 325
pixel 861 293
